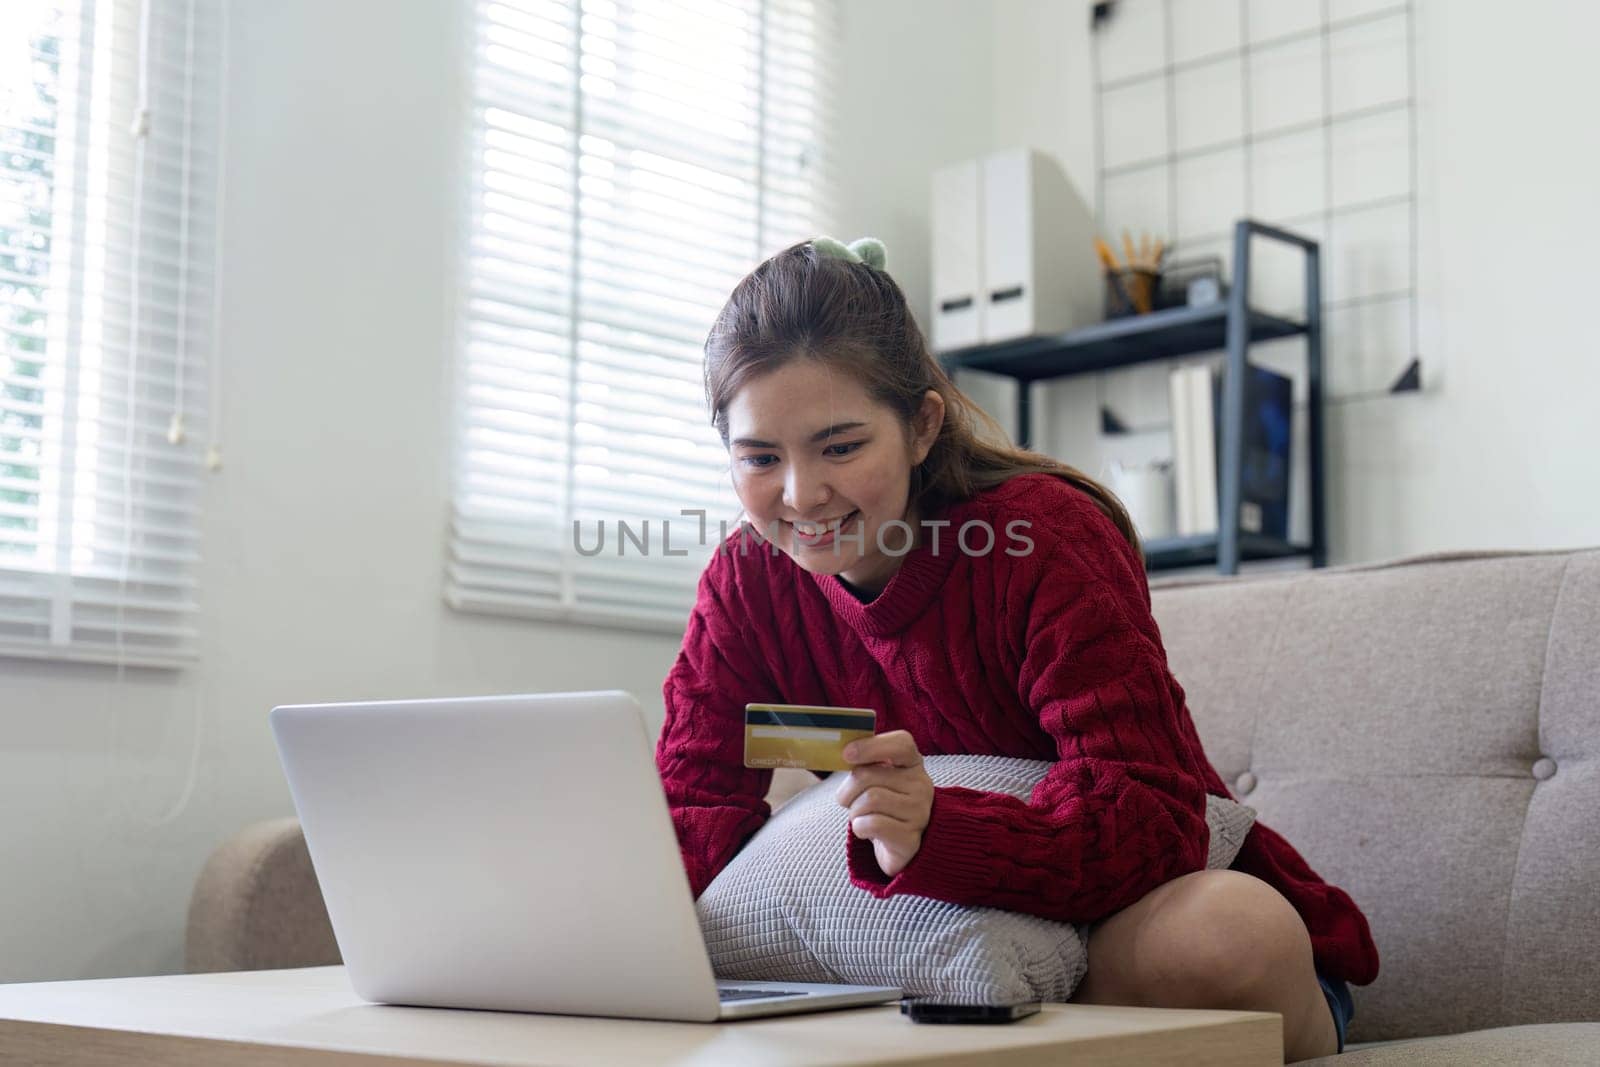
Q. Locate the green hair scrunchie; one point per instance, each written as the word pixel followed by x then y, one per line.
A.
pixel 867 250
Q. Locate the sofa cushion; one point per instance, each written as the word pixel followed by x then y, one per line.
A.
pixel 784 909
pixel 1425 734
pixel 1553 1044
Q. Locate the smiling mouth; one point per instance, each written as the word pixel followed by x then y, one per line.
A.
pixel 811 532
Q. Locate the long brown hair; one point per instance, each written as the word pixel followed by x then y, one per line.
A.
pixel 802 303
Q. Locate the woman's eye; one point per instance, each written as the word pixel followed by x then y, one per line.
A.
pixel 758 461
pixel 841 450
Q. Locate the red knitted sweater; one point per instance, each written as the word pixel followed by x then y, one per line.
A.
pixel 1049 653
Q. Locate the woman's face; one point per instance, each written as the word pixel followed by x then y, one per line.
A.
pixel 811 452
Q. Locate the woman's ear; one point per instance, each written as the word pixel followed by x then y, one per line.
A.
pixel 929 421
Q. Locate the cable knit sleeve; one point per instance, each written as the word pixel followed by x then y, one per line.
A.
pixel 1123 809
pixel 716 802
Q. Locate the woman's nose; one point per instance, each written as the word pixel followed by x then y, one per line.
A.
pixel 804 490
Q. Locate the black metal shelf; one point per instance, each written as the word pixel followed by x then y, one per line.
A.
pixel 1168 334
pixel 1231 326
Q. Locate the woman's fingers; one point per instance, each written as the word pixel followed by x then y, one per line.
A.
pixel 864 778
pixel 881 801
pixel 880 827
pixel 895 747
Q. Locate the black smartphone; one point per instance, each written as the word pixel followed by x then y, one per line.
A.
pixel 930 1011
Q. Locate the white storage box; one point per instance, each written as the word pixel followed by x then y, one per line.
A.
pixel 1013 251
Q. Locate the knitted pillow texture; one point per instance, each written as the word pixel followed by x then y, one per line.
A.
pixel 784 909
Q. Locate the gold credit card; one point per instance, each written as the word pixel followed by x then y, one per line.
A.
pixel 803 735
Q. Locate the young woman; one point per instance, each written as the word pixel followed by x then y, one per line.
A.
pixel 983 599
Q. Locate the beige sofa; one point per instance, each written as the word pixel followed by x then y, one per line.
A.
pixel 1425 732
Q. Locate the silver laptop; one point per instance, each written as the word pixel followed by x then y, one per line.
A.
pixel 514 854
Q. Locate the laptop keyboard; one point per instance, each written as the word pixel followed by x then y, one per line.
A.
pixel 751 994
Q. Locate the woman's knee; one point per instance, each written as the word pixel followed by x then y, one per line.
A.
pixel 1236 936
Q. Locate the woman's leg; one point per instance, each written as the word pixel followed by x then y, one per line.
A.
pixel 1213 939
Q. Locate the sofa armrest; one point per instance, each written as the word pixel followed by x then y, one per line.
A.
pixel 257 906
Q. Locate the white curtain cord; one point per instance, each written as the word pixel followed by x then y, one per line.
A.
pixel 213 452
pixel 175 431
pixel 140 128
pixel 140 131
pixel 214 391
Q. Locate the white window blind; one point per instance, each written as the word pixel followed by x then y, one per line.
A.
pixel 630 161
pixel 108 164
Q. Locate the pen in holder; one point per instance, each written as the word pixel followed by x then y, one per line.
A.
pixel 1130 291
pixel 1131 285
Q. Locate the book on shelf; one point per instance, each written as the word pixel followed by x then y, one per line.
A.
pixel 1182 456
pixel 1195 394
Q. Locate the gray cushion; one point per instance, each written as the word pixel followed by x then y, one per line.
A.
pixel 784 908
pixel 1550 1045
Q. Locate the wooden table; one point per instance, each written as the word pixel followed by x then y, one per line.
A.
pixel 311 1018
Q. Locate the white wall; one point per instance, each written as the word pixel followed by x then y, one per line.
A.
pixel 914 95
pixel 1502 454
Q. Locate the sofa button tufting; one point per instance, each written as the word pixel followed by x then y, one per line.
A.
pixel 1545 769
pixel 1245 784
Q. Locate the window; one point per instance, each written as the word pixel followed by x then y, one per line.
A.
pixel 107 184
pixel 630 161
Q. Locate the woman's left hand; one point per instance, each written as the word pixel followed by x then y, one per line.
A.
pixel 890 797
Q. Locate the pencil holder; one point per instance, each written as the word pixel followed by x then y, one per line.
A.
pixel 1130 291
